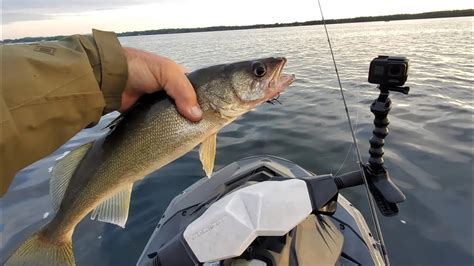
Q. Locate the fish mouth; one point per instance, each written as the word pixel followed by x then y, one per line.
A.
pixel 278 81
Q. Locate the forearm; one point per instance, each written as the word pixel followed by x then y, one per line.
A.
pixel 52 90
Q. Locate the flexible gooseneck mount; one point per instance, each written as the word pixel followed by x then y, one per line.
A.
pixel 384 191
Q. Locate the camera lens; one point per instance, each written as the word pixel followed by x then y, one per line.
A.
pixel 395 70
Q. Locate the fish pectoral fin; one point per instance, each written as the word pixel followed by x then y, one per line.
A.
pixel 207 154
pixel 114 210
pixel 63 172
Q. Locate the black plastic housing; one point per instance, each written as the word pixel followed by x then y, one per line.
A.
pixel 388 70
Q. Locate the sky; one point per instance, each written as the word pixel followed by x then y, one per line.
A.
pixel 22 18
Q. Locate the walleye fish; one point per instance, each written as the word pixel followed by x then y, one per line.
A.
pixel 98 177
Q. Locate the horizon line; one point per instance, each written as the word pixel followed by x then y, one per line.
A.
pixel 402 16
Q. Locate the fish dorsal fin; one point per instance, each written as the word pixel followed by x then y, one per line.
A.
pixel 207 154
pixel 63 172
pixel 114 210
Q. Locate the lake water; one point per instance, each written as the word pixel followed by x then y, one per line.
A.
pixel 429 151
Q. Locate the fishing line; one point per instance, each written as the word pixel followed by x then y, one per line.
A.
pixel 352 144
pixel 373 211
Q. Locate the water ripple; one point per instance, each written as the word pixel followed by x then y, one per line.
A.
pixel 428 152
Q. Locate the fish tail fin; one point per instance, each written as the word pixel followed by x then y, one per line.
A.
pixel 37 250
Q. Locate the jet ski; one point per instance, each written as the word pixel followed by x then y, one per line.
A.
pixel 259 209
pixel 265 210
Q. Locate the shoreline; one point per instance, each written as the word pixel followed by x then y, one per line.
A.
pixel 387 18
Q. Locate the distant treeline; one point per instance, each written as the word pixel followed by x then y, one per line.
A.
pixel 426 15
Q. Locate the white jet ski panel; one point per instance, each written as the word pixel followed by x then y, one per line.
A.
pixel 231 224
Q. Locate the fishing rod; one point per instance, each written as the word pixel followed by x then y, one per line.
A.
pixel 373 211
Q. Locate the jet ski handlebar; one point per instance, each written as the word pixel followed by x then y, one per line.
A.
pixel 349 179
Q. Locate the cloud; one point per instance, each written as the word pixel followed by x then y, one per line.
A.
pixel 27 10
pixel 69 5
pixel 9 17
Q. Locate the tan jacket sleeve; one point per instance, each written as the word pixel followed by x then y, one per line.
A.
pixel 52 90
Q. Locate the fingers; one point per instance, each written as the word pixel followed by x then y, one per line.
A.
pixel 149 72
pixel 128 99
pixel 180 89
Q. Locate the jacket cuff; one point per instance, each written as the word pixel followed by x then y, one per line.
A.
pixel 114 72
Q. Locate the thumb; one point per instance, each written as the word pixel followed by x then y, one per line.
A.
pixel 181 90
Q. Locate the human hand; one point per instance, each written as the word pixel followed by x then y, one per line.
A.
pixel 148 73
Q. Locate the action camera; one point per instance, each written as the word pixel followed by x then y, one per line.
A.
pixel 388 70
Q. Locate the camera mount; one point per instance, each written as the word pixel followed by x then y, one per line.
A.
pixel 384 89
pixel 384 191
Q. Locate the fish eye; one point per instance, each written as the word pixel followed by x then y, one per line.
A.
pixel 259 69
